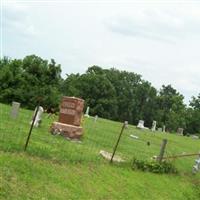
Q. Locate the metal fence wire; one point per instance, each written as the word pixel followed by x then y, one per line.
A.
pixel 99 135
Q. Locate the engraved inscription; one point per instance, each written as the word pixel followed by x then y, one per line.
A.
pixel 68 105
pixel 67 111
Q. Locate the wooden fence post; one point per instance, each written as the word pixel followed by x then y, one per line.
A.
pixel 162 150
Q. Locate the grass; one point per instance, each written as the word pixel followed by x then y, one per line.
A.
pixel 55 168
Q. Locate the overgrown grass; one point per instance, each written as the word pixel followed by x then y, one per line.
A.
pixel 55 168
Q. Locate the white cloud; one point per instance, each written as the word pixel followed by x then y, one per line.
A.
pixel 16 18
pixel 156 24
pixel 160 41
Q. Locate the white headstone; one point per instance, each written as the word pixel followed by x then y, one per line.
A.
pixel 95 118
pixel 195 137
pixel 87 112
pixel 153 126
pixel 14 110
pixel 163 130
pixel 38 117
pixel 160 129
pixel 180 131
pixel 196 166
pixel 126 124
pixel 140 124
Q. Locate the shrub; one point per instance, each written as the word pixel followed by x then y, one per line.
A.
pixel 153 166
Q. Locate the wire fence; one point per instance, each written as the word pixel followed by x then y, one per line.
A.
pixel 98 135
pixel 14 132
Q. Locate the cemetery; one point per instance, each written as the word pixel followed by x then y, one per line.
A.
pixel 52 147
pixel 99 100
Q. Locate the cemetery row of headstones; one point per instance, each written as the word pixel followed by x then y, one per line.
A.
pixel 153 128
pixel 180 131
pixel 69 123
pixel 15 111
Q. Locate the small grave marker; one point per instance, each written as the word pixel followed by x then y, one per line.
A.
pixel 134 136
pixel 153 126
pixel 196 166
pixel 108 156
pixel 14 110
pixel 195 136
pixel 126 124
pixel 163 130
pixel 180 131
pixel 140 124
pixel 95 118
pixel 87 112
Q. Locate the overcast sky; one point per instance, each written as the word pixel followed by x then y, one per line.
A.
pixel 158 39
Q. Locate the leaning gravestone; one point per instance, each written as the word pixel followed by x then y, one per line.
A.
pixel 87 112
pixel 38 118
pixel 153 126
pixel 140 124
pixel 14 110
pixel 69 121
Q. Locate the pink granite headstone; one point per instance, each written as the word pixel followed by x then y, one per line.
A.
pixel 69 122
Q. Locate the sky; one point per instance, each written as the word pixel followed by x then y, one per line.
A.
pixel 158 39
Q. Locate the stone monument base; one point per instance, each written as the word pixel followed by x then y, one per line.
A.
pixel 67 130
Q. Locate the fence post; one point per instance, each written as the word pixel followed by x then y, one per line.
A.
pixel 115 148
pixel 162 150
pixel 31 128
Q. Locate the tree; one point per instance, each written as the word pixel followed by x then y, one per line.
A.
pixel 193 116
pixel 25 80
pixel 171 108
pixel 96 90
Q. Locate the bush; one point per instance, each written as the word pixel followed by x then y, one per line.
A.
pixel 153 166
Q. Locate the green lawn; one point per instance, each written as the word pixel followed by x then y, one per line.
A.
pixel 55 168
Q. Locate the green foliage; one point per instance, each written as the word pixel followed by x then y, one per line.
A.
pixel 193 116
pixel 110 93
pixel 171 109
pixel 153 166
pixel 26 80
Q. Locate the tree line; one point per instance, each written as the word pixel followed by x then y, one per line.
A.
pixel 110 93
